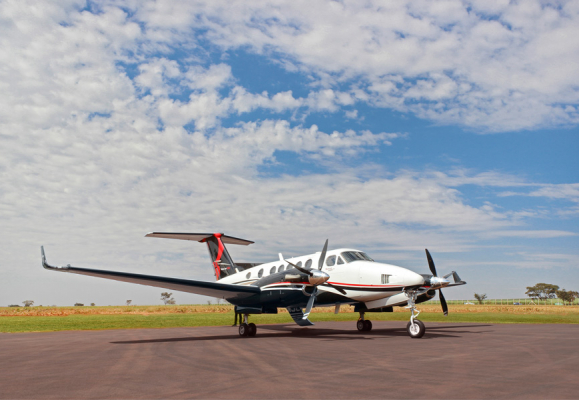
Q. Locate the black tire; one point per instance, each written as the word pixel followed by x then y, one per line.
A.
pixel 243 330
pixel 360 325
pixel 367 325
pixel 252 329
pixel 417 331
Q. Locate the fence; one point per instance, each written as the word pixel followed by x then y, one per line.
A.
pixel 506 302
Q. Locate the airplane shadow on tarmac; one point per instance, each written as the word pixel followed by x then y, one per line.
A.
pixel 435 332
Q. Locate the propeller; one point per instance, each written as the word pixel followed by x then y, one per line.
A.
pixel 316 277
pixel 437 283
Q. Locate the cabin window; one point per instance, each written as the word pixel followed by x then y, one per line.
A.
pixel 330 261
pixel 260 273
pixel 248 275
pixel 340 261
pixel 299 264
pixel 272 270
pixel 309 264
pixel 280 268
pixel 385 278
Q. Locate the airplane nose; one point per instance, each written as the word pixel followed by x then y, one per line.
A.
pixel 412 279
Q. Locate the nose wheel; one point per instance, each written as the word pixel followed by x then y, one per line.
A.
pixel 416 329
pixel 247 329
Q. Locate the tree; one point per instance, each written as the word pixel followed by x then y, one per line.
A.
pixel 92 304
pixel 167 299
pixel 129 302
pixel 79 304
pixel 542 291
pixel 480 297
pixel 28 303
pixel 567 296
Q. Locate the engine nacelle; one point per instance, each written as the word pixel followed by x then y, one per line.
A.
pixel 426 296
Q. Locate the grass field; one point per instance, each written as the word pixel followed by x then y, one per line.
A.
pixel 45 319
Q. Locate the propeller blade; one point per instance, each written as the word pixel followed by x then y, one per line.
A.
pixel 310 304
pixel 430 263
pixel 337 288
pixel 305 271
pixel 443 302
pixel 323 256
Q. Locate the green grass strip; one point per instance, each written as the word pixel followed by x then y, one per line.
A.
pixel 100 322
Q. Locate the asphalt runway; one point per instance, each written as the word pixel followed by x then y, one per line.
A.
pixel 330 361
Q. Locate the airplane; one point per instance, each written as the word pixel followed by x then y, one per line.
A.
pixel 326 278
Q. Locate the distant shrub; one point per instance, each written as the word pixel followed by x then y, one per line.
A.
pixel 78 304
pixel 13 305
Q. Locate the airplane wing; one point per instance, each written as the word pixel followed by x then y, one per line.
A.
pixel 213 289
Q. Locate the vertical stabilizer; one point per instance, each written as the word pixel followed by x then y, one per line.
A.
pixel 222 262
pixel 223 265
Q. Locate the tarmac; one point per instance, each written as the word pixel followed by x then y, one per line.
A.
pixel 331 360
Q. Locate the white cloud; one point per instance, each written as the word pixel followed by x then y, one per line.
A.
pixel 488 65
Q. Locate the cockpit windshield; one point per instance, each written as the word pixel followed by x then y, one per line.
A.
pixel 351 256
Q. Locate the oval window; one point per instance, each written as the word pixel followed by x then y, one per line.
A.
pixel 309 264
pixel 260 273
pixel 299 264
pixel 280 268
pixel 248 275
pixel 272 270
pixel 330 261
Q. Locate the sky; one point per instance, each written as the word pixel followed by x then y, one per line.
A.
pixel 386 126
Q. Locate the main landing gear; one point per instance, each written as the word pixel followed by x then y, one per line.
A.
pixel 246 329
pixel 415 328
pixel 363 325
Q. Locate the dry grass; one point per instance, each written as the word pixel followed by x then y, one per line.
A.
pixel 132 310
pixel 505 309
pixel 226 308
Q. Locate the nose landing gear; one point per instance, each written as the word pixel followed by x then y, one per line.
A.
pixel 247 329
pixel 415 328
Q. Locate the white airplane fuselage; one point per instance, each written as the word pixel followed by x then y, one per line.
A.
pixel 361 280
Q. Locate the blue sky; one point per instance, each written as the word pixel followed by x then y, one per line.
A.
pixel 385 126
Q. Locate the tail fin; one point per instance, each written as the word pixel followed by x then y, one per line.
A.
pixel 222 262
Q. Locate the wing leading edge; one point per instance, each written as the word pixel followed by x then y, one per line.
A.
pixel 213 289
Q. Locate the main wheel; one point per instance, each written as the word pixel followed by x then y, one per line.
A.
pixel 367 325
pixel 243 330
pixel 252 329
pixel 360 325
pixel 416 330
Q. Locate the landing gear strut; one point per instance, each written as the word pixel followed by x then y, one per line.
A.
pixel 363 325
pixel 246 329
pixel 415 328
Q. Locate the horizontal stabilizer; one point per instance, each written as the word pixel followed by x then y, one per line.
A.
pixel 198 237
